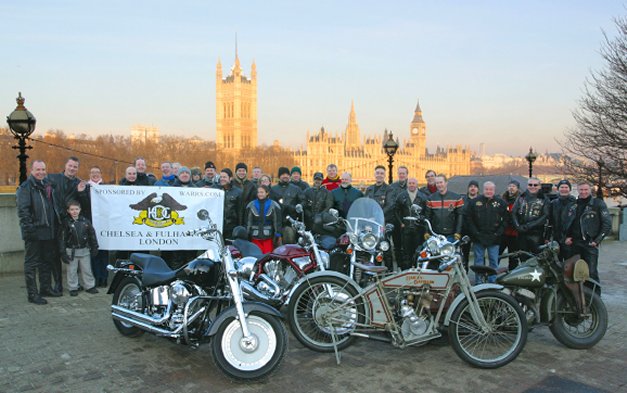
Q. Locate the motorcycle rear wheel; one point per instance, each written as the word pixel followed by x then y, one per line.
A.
pixel 506 335
pixel 579 332
pixel 128 294
pixel 247 364
pixel 322 308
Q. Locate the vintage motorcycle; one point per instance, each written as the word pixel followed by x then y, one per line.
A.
pixel 368 236
pixel 487 328
pixel 197 303
pixel 269 278
pixel 558 294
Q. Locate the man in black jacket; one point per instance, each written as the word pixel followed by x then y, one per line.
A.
pixel 39 222
pixel 287 195
pixel 232 203
pixel 143 178
pixel 590 226
pixel 529 214
pixel 562 211
pixel 485 218
pixel 382 193
pixel 412 232
pixel 316 199
pixel 445 211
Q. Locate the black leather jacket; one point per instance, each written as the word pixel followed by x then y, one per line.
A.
pixel 38 214
pixel 385 196
pixel 445 213
pixel 66 190
pixel 486 219
pixel 562 213
pixel 232 209
pixel 264 224
pixel 403 207
pixel 594 222
pixel 287 195
pixel 316 200
pixel 77 234
pixel 530 213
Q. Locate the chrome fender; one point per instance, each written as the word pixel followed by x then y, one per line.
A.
pixel 461 296
pixel 325 273
pixel 249 307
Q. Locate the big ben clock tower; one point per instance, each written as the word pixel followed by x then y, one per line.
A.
pixel 418 131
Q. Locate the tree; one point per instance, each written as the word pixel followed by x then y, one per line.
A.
pixel 597 146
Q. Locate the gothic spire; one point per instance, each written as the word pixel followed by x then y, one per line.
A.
pixel 418 114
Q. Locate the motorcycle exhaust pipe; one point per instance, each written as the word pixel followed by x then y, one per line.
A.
pixel 142 317
pixel 253 293
pixel 154 329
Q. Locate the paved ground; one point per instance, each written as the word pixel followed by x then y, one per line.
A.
pixel 71 345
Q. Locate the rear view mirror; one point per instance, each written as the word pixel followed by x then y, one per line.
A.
pixel 334 212
pixel 416 209
pixel 203 215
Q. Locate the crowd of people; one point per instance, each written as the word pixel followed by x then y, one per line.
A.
pixel 55 212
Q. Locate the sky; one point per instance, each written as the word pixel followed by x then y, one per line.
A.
pixel 504 73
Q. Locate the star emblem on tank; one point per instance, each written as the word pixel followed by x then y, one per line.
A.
pixel 535 275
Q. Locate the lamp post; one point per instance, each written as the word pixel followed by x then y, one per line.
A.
pixel 390 146
pixel 531 157
pixel 22 124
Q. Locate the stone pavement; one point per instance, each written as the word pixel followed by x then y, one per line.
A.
pixel 71 345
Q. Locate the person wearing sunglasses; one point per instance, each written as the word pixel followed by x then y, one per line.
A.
pixel 530 213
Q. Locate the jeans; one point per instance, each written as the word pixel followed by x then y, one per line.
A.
pixel 493 257
pixel 38 257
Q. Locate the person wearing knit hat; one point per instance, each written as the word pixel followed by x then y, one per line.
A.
pixel 562 212
pixel 196 174
pixel 297 180
pixel 514 182
pixel 283 171
pixel 184 178
pixel 566 183
pixel 211 178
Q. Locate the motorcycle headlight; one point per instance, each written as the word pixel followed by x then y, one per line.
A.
pixel 384 246
pixel 353 238
pixel 447 249
pixel 368 241
pixel 325 259
pixel 432 246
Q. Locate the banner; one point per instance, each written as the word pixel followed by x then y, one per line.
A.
pixel 134 218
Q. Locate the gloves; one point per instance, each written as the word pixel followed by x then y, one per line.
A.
pixel 427 236
pixel 65 259
pixel 523 228
pixel 457 236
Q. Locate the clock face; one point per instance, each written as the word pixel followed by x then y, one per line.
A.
pixel 414 131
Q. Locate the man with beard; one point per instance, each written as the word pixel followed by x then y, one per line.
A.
pixel 316 199
pixel 39 223
pixel 529 215
pixel 345 195
pixel 287 195
pixel 562 212
pixel 332 180
pixel 411 231
pixel 232 203
pixel 296 179
pixel 591 224
pixel 211 179
pixel 430 188
pixel 143 178
pixel 510 235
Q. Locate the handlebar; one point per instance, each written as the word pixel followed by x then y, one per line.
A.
pixel 448 264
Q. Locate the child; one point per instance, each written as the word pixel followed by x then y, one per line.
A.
pixel 77 242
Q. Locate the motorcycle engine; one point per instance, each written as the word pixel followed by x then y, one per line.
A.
pixel 415 314
pixel 173 298
pixel 283 274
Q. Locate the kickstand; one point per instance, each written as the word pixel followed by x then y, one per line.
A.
pixel 338 356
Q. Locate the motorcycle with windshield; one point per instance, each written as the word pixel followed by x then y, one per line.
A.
pixel 556 293
pixel 487 328
pixel 197 303
pixel 368 236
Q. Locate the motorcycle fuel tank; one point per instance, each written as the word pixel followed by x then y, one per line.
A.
pixel 528 274
pixel 288 251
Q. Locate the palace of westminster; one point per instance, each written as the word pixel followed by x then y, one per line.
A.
pixel 236 129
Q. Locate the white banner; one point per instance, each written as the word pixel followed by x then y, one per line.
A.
pixel 133 218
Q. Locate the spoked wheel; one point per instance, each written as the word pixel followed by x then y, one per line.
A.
pixel 580 332
pixel 497 343
pixel 324 311
pixel 128 294
pixel 254 357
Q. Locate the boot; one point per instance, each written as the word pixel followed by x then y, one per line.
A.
pixel 37 300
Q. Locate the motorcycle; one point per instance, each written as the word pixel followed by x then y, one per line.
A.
pixel 269 278
pixel 368 237
pixel 327 310
pixel 197 303
pixel 554 293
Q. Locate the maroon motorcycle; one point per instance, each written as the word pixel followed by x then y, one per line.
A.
pixel 270 277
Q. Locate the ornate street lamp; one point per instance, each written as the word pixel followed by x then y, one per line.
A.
pixel 390 146
pixel 531 157
pixel 22 124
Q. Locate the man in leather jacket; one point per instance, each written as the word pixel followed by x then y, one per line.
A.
pixel 316 199
pixel 210 179
pixel 296 179
pixel 591 224
pixel 382 193
pixel 412 232
pixel 232 203
pixel 345 194
pixel 39 223
pixel 287 195
pixel 445 211
pixel 562 211
pixel 143 178
pixel 240 180
pixel 530 213
pixel 510 236
pixel 430 188
pixel 471 193
pixel 397 188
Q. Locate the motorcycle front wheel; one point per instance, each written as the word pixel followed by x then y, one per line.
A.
pixel 500 342
pixel 254 358
pixel 128 294
pixel 323 312
pixel 579 332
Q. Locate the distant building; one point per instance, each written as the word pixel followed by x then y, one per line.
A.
pixel 236 108
pixel 142 134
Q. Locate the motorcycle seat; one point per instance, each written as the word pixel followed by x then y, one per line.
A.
pixel 483 270
pixel 326 242
pixel 154 269
pixel 247 249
